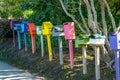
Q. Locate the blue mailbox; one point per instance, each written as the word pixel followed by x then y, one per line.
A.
pixel 114 39
pixel 17 27
pixel 24 30
pixel 57 31
pixel 21 28
pixel 24 26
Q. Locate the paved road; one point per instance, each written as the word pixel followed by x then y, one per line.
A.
pixel 8 72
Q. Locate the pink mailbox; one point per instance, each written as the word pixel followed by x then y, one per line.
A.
pixel 70 35
pixel 69 30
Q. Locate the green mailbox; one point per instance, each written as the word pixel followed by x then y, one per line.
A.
pixel 82 39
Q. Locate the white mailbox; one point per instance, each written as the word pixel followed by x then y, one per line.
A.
pixel 97 39
pixel 57 31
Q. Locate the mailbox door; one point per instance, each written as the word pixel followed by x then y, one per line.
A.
pixel 69 30
pixel 17 27
pixel 12 22
pixel 57 33
pixel 46 32
pixel 114 41
pixel 39 32
pixel 32 28
pixel 24 26
pixel 97 41
pixel 46 28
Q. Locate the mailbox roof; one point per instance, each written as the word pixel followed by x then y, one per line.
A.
pixel 48 25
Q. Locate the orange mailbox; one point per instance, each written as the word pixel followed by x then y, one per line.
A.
pixel 32 31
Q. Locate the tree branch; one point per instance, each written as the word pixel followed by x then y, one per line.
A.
pixel 95 16
pixel 84 22
pixel 111 16
pixel 73 18
pixel 90 18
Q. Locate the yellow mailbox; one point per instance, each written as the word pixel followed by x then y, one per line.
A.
pixel 46 28
pixel 47 31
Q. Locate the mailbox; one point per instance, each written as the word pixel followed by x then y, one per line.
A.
pixel 39 31
pixel 81 40
pixel 57 31
pixel 69 30
pixel 24 26
pixel 114 39
pixel 32 28
pixel 32 31
pixel 46 28
pixel 17 27
pixel 97 39
pixel 12 22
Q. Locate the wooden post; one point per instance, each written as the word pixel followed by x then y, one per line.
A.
pixel 33 43
pixel 97 62
pixel 84 59
pixel 14 40
pixel 116 52
pixel 42 46
pixel 71 54
pixel 60 50
pixel 19 43
pixel 49 47
pixel 25 41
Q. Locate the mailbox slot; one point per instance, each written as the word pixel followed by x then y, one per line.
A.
pixel 114 39
pixel 97 39
pixel 46 28
pixel 31 28
pixel 57 31
pixel 69 30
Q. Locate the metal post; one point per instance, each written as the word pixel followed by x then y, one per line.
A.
pixel 117 64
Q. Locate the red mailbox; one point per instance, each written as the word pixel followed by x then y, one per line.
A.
pixel 32 31
pixel 32 28
pixel 69 30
